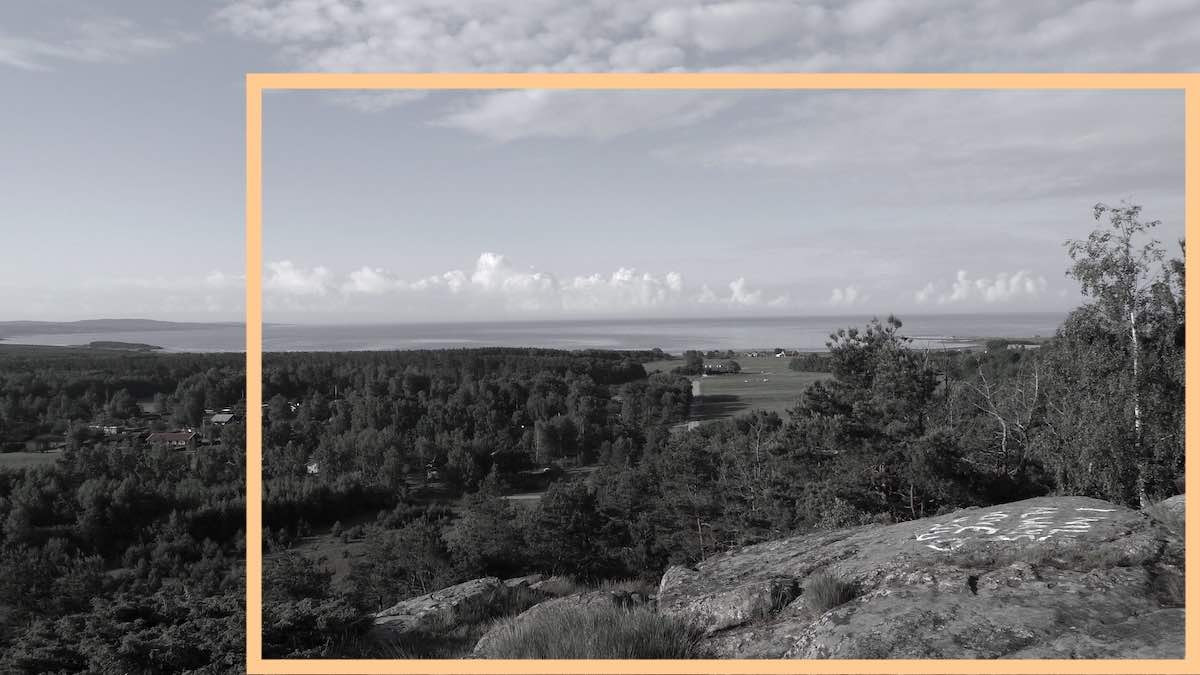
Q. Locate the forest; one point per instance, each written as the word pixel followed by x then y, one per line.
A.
pixel 124 555
pixel 121 555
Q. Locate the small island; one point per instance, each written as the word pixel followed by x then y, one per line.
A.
pixel 123 346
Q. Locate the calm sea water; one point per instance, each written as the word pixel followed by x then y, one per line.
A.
pixel 671 335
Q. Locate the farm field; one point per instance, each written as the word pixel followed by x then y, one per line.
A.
pixel 765 383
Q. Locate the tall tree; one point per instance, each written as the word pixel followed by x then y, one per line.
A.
pixel 1117 268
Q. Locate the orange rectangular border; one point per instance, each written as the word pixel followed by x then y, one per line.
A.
pixel 257 83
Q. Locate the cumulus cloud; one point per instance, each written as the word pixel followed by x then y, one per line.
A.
pixel 368 280
pixel 288 279
pixel 740 293
pixel 494 286
pixel 1001 288
pixel 847 297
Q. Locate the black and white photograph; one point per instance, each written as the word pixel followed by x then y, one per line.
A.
pixel 592 374
pixel 661 375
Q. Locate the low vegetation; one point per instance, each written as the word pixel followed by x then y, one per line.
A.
pixel 608 632
pixel 823 591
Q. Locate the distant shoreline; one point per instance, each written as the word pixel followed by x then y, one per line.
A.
pixel 802 334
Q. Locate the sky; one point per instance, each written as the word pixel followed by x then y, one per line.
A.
pixel 122 159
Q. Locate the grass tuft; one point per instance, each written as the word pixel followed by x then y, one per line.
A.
pixel 597 633
pixel 823 591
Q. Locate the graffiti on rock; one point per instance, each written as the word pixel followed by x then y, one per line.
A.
pixel 1038 524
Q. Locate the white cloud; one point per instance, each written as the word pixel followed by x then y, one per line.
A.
pixel 689 35
pixel 740 293
pixel 288 279
pixel 218 280
pixel 511 115
pixel 925 294
pixel 496 287
pixel 1004 287
pixel 106 40
pixel 368 280
pixel 848 296
pixel 738 25
pixel 596 35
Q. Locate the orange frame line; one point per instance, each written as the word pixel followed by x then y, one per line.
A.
pixel 257 83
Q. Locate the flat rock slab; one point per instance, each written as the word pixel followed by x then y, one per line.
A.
pixel 440 606
pixel 1001 581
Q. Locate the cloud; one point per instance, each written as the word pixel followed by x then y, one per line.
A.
pixel 495 287
pixel 1022 285
pixel 954 146
pixel 511 115
pixel 740 293
pixel 288 279
pixel 594 35
pixel 925 294
pixel 107 40
pixel 848 296
pixel 218 280
pixel 367 280
pixel 734 26
pixel 683 35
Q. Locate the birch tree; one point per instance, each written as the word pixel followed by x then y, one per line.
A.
pixel 1117 267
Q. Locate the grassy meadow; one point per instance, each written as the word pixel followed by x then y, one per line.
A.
pixel 765 383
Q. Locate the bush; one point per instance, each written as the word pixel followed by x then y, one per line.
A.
pixel 823 591
pixel 598 633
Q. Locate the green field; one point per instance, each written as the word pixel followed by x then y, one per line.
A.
pixel 765 383
pixel 19 460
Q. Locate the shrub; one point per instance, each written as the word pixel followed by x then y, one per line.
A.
pixel 597 633
pixel 823 591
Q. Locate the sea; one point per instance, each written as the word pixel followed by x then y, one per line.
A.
pixel 808 333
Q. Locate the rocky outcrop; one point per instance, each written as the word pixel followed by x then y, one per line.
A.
pixel 1173 508
pixel 1053 577
pixel 437 609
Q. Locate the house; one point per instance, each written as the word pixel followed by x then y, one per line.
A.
pixel 47 442
pixel 173 439
pixel 221 419
pixel 313 468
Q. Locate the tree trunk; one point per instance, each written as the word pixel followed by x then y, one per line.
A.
pixel 1142 463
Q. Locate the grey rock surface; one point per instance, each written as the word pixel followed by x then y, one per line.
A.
pixel 1052 577
pixel 439 607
